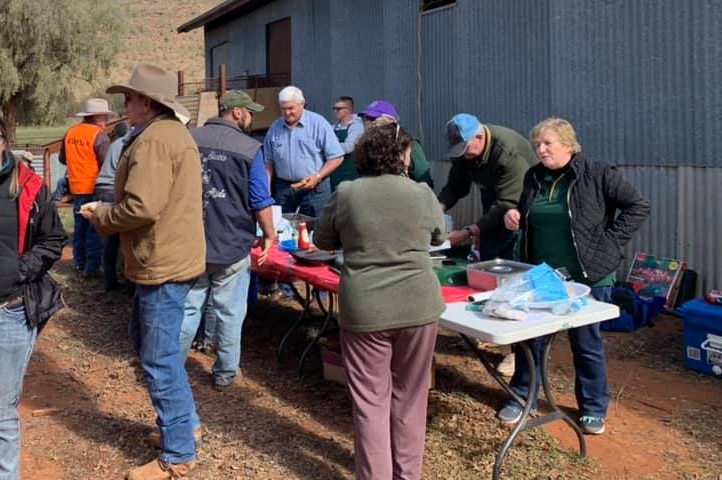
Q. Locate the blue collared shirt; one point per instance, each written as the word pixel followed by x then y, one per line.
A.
pixel 258 193
pixel 106 176
pixel 301 151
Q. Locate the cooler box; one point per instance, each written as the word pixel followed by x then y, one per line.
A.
pixel 702 336
pixel 451 271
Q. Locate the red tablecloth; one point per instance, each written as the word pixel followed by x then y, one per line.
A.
pixel 280 265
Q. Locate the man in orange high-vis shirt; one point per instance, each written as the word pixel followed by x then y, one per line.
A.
pixel 82 151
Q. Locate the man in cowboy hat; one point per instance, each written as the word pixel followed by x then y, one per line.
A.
pixel 236 195
pixel 83 150
pixel 158 214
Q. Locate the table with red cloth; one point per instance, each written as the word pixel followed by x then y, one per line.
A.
pixel 281 266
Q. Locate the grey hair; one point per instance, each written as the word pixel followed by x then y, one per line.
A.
pixel 291 94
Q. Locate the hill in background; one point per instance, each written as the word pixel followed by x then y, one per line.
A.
pixel 152 37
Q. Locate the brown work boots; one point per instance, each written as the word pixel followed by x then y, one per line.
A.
pixel 159 470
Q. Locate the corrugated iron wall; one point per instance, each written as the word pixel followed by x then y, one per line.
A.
pixel 640 80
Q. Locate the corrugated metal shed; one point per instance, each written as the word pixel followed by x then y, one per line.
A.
pixel 639 80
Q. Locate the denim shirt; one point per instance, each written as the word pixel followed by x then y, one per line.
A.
pixel 300 151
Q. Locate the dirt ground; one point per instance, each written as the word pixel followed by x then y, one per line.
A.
pixel 664 421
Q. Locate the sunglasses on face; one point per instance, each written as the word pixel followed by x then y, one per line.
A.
pixel 339 108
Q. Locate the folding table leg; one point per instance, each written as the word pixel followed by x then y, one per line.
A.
pixel 556 413
pixel 521 425
pixel 321 332
pixel 299 320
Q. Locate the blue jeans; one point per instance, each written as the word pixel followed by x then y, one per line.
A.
pixel 590 366
pixel 225 287
pixel 16 345
pixel 154 332
pixel 110 259
pixel 310 201
pixel 87 245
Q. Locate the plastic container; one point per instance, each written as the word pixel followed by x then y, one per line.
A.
pixel 702 336
pixel 450 271
pixel 288 245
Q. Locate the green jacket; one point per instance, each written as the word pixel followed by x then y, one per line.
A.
pixel 419 170
pixel 384 225
pixel 499 174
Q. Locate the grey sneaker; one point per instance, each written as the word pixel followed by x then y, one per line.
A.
pixel 511 413
pixel 222 384
pixel 592 425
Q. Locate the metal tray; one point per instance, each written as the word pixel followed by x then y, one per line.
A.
pixel 492 274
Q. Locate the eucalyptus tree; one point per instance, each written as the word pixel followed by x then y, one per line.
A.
pixel 51 49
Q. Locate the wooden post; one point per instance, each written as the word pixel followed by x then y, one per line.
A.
pixel 181 83
pixel 47 174
pixel 222 79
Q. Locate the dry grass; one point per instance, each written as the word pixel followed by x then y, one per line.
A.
pixel 153 37
pixel 276 426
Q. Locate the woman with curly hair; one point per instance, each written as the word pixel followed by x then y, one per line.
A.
pixel 384 222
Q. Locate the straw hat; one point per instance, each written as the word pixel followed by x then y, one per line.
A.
pixel 95 106
pixel 156 84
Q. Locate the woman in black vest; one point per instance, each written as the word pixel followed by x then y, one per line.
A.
pixel 31 240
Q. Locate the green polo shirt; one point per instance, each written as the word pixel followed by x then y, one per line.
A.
pixel 550 228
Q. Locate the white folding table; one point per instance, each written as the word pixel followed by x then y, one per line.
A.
pixel 471 324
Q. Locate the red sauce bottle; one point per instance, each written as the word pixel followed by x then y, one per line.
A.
pixel 303 241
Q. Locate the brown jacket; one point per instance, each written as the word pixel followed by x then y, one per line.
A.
pixel 158 208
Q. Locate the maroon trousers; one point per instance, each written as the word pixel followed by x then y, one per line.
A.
pixel 388 376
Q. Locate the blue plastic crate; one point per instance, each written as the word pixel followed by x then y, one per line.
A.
pixel 634 311
pixel 702 336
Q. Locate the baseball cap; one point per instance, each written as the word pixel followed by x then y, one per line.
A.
pixel 459 130
pixel 378 108
pixel 237 98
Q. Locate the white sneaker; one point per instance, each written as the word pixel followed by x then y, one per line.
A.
pixel 506 366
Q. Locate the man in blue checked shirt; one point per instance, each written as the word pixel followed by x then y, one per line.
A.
pixel 301 151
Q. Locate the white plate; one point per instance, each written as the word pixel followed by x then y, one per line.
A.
pixel 576 291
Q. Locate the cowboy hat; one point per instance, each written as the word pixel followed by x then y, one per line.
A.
pixel 154 83
pixel 95 106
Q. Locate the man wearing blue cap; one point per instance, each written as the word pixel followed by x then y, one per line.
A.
pixel 496 159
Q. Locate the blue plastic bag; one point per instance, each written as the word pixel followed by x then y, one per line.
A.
pixel 547 284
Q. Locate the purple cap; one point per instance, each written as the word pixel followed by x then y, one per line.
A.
pixel 379 108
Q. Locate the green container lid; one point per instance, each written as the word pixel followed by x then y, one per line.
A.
pixel 451 271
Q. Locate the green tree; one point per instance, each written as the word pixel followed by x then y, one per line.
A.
pixel 48 49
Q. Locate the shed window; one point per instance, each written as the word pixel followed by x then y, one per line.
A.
pixel 428 5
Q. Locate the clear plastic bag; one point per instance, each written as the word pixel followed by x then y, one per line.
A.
pixel 540 284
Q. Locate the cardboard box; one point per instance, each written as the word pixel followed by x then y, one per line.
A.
pixel 702 336
pixel 652 276
pixel 334 371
